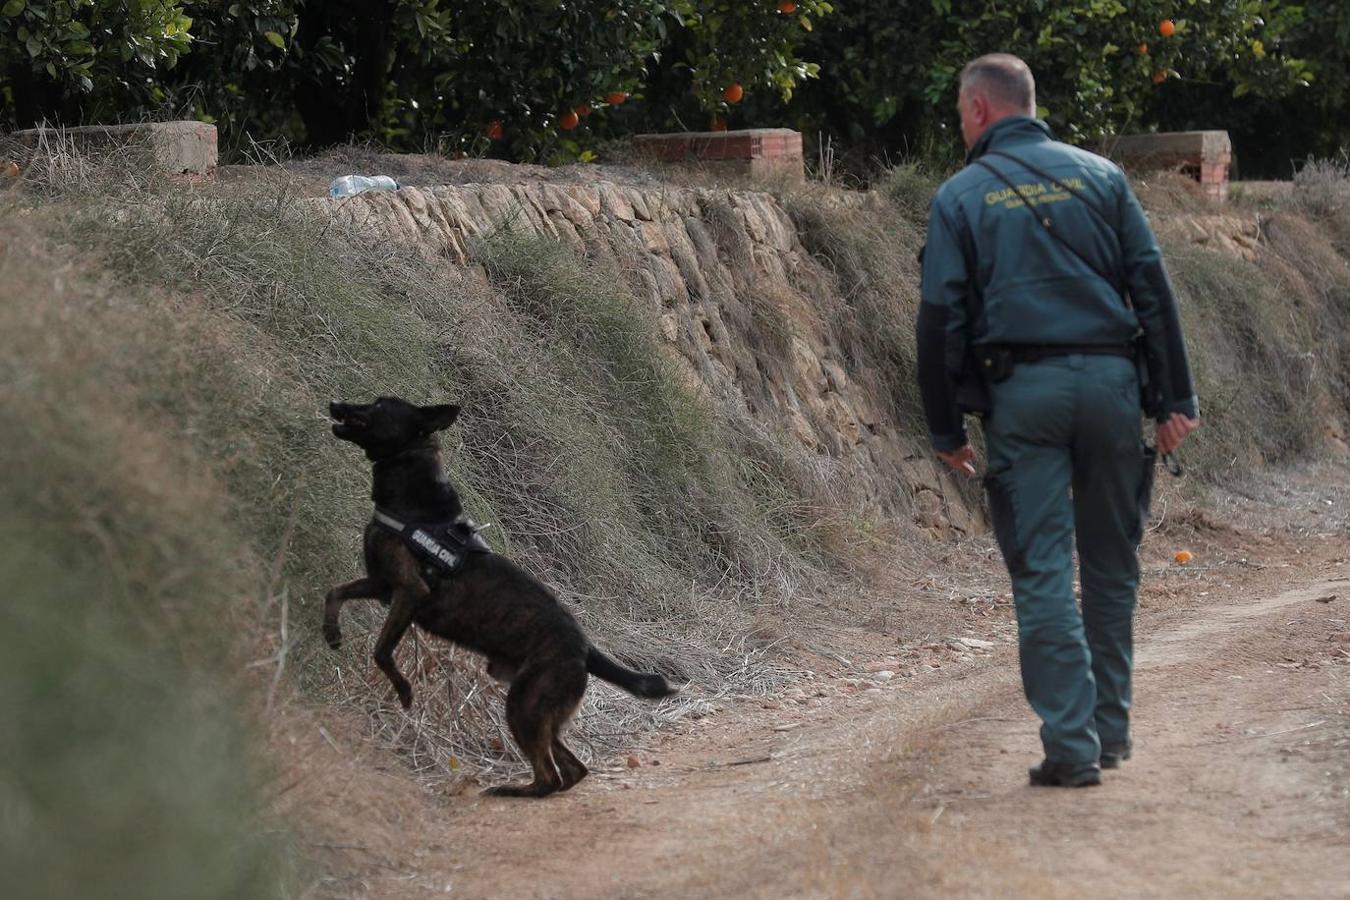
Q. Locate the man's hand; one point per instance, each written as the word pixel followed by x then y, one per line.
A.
pixel 1172 432
pixel 961 461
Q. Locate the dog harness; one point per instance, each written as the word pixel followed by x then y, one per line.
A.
pixel 443 545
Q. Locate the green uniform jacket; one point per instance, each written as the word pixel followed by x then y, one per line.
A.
pixel 993 275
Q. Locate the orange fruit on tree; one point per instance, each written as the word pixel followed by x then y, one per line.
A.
pixel 494 130
pixel 787 7
pixel 733 93
pixel 569 120
pixel 584 110
pixel 1143 49
pixel 1167 28
pixel 1159 76
pixel 615 98
pixel 718 124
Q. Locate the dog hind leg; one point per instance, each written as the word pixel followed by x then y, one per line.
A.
pixel 360 589
pixel 533 725
pixel 566 689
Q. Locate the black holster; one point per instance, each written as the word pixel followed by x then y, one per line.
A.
pixel 1144 498
pixel 972 388
pixel 996 362
pixel 985 365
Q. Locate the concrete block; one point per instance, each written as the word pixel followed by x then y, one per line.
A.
pixel 178 148
pixel 1169 145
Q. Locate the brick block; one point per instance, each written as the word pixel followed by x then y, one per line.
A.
pixel 753 151
pixel 1204 155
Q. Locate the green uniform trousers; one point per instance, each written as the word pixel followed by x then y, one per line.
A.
pixel 1066 460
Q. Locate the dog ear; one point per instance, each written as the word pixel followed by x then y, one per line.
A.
pixel 436 418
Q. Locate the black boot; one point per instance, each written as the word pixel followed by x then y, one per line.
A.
pixel 1114 754
pixel 1058 774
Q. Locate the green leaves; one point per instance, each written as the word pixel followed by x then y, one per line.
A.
pixel 745 42
pixel 420 71
pixel 878 74
pixel 889 67
pixel 95 47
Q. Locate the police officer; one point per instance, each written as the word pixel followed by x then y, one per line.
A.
pixel 1039 274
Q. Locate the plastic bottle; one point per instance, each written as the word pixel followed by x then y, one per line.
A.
pixel 347 185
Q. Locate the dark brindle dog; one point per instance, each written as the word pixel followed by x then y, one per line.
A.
pixel 425 563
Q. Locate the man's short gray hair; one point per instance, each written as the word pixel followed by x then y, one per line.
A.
pixel 1003 78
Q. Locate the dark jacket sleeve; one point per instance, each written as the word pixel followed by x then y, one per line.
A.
pixel 1156 306
pixel 941 330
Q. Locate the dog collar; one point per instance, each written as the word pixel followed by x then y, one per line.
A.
pixel 388 521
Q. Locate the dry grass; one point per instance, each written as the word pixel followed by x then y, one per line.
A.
pixel 1322 193
pixel 1165 193
pixel 1268 339
pixel 1252 362
pixel 871 250
pixel 130 611
pixel 868 244
pixel 668 528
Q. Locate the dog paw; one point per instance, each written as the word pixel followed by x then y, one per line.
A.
pixel 404 691
pixel 333 635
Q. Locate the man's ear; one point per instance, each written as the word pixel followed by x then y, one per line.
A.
pixel 436 418
pixel 979 109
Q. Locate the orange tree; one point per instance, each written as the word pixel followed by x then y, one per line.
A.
pixel 519 67
pixel 72 59
pixel 889 67
pixel 504 75
pixel 727 51
pixel 1272 135
pixel 465 75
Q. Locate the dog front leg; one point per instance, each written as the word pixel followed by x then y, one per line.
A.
pixel 360 589
pixel 400 617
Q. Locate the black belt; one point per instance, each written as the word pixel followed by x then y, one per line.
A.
pixel 1030 353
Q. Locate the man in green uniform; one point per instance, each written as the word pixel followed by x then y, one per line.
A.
pixel 1039 274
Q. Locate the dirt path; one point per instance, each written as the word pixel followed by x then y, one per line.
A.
pixel 915 786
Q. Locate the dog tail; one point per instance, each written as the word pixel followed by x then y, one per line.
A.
pixel 641 684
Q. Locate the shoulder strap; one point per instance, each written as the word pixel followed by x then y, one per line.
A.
pixel 1117 283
